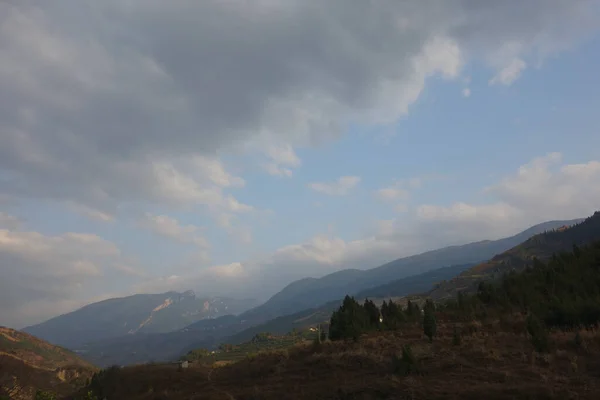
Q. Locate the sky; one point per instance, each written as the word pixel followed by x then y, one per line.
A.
pixel 231 147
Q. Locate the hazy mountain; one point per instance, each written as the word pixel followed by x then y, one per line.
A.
pixel 28 364
pixel 140 313
pixel 311 292
pixel 541 246
pixel 305 301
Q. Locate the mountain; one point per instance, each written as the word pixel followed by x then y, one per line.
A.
pixel 28 364
pixel 140 313
pixel 541 246
pixel 310 317
pixel 312 292
pixel 308 298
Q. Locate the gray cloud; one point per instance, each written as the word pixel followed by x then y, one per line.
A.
pixel 101 100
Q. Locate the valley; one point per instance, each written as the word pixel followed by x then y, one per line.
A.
pixel 273 353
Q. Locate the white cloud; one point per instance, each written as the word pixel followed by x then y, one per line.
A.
pixel 283 158
pixel 540 190
pixel 466 92
pixel 169 227
pixel 214 170
pixel 41 273
pixel 392 193
pixel 510 73
pixel 340 187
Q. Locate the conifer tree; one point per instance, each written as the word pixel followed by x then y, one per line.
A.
pixel 429 321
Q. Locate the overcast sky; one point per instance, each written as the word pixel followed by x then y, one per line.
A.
pixel 231 147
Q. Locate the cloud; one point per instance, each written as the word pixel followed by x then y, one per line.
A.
pixel 171 228
pixel 283 158
pixel 466 92
pixel 392 193
pixel 41 273
pixel 341 187
pixel 508 74
pixel 92 213
pixel 398 194
pixel 541 190
pixel 8 221
pixel 136 101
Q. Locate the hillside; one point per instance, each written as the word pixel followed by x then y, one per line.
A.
pixel 483 346
pixel 310 292
pixel 28 364
pixel 140 313
pixel 541 246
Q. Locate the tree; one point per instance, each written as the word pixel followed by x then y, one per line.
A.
pixel 349 321
pixel 429 321
pixel 538 332
pixel 373 313
pixel 392 315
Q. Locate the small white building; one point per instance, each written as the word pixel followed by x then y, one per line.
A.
pixel 184 364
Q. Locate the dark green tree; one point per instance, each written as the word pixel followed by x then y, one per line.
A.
pixel 372 313
pixel 429 320
pixel 538 333
pixel 349 321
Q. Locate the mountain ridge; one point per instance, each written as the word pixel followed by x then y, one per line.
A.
pixel 319 290
pixel 541 246
pixel 138 313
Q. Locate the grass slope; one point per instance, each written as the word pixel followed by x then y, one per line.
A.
pixel 28 363
pixel 494 361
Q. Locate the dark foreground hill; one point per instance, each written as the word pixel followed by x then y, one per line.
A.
pixel 493 361
pixel 28 364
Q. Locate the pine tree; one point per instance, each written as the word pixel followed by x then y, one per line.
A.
pixel 429 321
pixel 349 321
pixel 372 313
pixel 538 332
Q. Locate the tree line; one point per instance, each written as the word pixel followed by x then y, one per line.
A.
pixel 563 293
pixel 353 319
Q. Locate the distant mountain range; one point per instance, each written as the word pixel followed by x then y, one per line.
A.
pixel 312 292
pixel 137 314
pixel 28 364
pixel 541 246
pixel 300 303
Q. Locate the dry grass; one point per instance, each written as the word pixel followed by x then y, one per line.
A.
pixel 489 363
